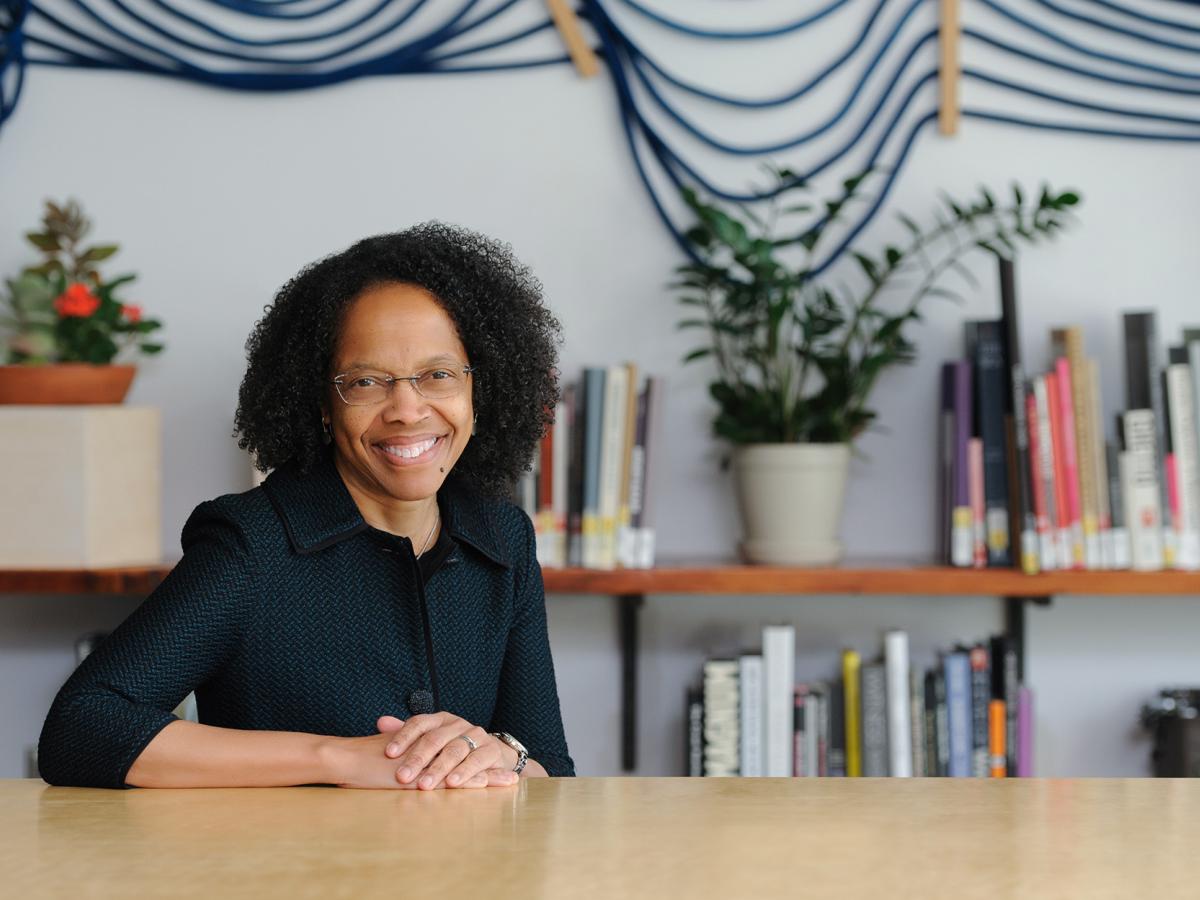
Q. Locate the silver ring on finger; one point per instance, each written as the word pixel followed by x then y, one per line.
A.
pixel 470 743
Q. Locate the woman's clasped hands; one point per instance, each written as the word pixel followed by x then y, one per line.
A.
pixel 426 752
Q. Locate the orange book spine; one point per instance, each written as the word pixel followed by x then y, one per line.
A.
pixel 997 752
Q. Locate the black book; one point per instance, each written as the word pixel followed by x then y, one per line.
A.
pixel 931 724
pixel 946 451
pixel 1022 521
pixel 985 348
pixel 694 736
pixel 981 694
pixel 575 475
pixel 836 752
pixel 874 720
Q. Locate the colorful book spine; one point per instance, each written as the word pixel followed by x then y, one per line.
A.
pixel 1041 511
pixel 1051 554
pixel 981 693
pixel 1070 466
pixel 851 665
pixel 1066 557
pixel 1187 460
pixel 1024 518
pixel 963 522
pixel 985 346
pixel 997 757
pixel 979 555
pixel 957 670
pixel 1071 341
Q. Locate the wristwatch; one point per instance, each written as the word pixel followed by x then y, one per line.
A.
pixel 522 753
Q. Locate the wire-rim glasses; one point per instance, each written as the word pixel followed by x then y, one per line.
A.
pixel 368 388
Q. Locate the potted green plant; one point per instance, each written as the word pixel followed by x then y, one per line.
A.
pixel 797 356
pixel 66 323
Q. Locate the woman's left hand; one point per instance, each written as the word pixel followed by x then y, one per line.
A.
pixel 427 749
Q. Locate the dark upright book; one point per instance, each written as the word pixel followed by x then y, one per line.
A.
pixel 837 730
pixel 962 537
pixel 695 732
pixel 874 719
pixel 1022 521
pixel 1143 388
pixel 1005 687
pixel 946 445
pixel 981 693
pixel 985 348
pixel 932 767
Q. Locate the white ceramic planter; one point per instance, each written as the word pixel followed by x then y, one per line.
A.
pixel 791 499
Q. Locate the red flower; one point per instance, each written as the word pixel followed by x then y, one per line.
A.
pixel 132 312
pixel 77 300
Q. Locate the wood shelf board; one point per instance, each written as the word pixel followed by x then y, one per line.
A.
pixel 714 578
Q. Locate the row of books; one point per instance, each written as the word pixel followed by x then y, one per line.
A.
pixel 1028 473
pixel 967 716
pixel 589 492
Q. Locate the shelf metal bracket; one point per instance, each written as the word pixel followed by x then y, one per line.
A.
pixel 1014 626
pixel 628 606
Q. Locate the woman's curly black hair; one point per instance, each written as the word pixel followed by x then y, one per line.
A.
pixel 510 337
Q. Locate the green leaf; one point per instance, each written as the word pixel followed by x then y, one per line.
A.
pixel 98 253
pixel 47 243
pixel 909 224
pixel 1067 198
pixel 691 323
pixel 893 256
pixel 868 266
pixel 698 354
pixel 151 348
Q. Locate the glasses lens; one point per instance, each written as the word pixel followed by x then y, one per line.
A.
pixel 363 390
pixel 440 384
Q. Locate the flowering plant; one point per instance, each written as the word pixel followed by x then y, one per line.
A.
pixel 61 309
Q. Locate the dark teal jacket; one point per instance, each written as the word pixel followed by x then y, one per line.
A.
pixel 288 612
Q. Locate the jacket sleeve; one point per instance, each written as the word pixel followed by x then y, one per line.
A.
pixel 527 705
pixel 123 693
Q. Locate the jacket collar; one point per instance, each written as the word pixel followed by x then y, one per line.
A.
pixel 318 512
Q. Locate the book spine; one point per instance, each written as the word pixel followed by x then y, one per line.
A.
pixel 779 661
pixel 812 733
pixel 981 692
pixel 1116 501
pixel 1187 465
pixel 695 732
pixel 899 712
pixel 875 720
pixel 575 475
pixel 946 465
pixel 721 717
pixel 963 537
pixel 593 446
pixel 851 685
pixel 623 552
pixel 616 391
pixel 800 727
pixel 1100 467
pixel 1025 734
pixel 1143 387
pixel 943 722
pixel 991 382
pixel 1065 535
pixel 1070 469
pixel 750 678
pixel 1081 411
pixel 1041 513
pixel 656 387
pixel 958 713
pixel 1023 514
pixel 637 481
pixel 916 700
pixel 1050 549
pixel 1139 484
pixel 837 729
pixel 997 758
pixel 931 724
pixel 978 504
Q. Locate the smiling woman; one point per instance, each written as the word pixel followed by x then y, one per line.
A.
pixel 373 614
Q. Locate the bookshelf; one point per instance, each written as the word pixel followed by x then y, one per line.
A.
pixel 630 587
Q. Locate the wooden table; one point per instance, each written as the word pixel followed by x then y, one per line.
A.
pixel 611 838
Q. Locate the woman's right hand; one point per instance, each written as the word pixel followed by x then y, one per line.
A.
pixel 361 762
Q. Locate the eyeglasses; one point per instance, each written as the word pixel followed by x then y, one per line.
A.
pixel 369 388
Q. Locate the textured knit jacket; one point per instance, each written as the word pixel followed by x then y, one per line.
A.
pixel 288 612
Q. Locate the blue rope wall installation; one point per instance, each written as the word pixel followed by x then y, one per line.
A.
pixel 890 65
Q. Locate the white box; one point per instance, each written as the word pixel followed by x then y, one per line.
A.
pixel 80 487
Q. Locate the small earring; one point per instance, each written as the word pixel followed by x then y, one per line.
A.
pixel 326 434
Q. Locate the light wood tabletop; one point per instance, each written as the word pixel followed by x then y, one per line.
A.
pixel 612 838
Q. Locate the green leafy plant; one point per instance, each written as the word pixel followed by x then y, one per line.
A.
pixel 797 358
pixel 61 309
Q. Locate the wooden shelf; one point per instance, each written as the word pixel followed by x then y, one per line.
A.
pixel 709 577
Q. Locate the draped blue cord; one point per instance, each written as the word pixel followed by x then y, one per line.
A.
pixel 113 47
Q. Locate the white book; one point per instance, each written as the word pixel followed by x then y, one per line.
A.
pixel 1139 486
pixel 1187 465
pixel 813 711
pixel 916 697
pixel 721 717
pixel 779 670
pixel 750 684
pixel 612 462
pixel 899 709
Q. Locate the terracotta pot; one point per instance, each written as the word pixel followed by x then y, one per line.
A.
pixel 65 384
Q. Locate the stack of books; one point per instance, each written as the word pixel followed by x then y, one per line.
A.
pixel 1028 473
pixel 967 716
pixel 590 489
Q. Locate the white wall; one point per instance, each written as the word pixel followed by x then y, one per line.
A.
pixel 217 198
